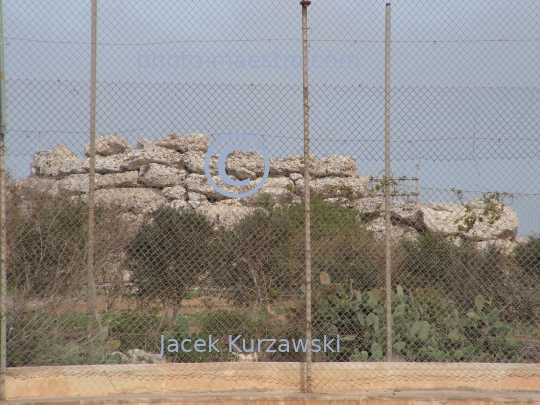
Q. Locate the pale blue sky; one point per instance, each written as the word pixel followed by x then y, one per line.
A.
pixel 465 83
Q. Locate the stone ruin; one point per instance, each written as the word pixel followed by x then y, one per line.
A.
pixel 170 172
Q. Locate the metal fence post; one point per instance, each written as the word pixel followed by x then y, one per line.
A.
pixel 91 298
pixel 307 200
pixel 3 289
pixel 388 177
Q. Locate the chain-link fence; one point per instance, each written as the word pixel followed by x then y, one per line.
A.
pixel 155 259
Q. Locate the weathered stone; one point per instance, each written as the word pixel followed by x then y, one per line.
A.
pixel 46 162
pixel 158 175
pixel 245 165
pixel 179 205
pixel 295 176
pixel 369 206
pixel 146 152
pixel 278 188
pixel 191 142
pixel 175 192
pixel 225 213
pixel 327 187
pixel 74 184
pixel 342 202
pixel 449 218
pixel 107 145
pixel 199 184
pixel 408 214
pixel 137 200
pixel 291 164
pixel 287 165
pixel 192 196
pixel 109 164
pixel 139 356
pixel 194 162
pixel 398 230
pixel 127 179
pixel 334 165
pixel 72 166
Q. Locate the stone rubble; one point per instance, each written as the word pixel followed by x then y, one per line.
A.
pixel 170 172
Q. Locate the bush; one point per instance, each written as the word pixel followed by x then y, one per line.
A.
pixel 426 327
pixel 263 254
pixel 460 273
pixel 170 255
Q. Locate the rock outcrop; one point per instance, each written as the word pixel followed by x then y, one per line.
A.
pixel 170 172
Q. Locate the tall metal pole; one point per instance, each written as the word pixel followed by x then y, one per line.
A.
pixel 307 200
pixel 91 297
pixel 3 277
pixel 388 176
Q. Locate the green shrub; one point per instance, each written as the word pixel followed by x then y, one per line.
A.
pixel 426 327
pixel 170 255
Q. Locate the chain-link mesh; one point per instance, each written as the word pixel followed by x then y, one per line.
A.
pixel 179 264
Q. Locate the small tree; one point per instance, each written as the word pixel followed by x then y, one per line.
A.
pixel 170 255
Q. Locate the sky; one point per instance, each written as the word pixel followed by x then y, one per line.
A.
pixel 465 103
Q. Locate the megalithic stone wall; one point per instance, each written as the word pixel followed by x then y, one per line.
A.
pixel 170 172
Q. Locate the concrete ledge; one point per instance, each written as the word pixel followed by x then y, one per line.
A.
pixel 129 379
pixel 446 397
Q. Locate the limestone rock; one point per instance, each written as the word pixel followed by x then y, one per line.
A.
pixel 146 152
pixel 198 183
pixel 192 196
pixel 191 142
pixel 398 231
pixel 72 166
pixel 327 187
pixel 446 218
pixel 287 165
pixel 175 192
pixel 408 214
pixel 141 357
pixel 225 213
pixel 46 162
pixel 295 176
pixel 369 206
pixel 341 201
pixel 158 175
pixel 179 205
pixel 245 165
pixel 278 188
pixel 136 200
pixel 194 162
pixel 127 179
pixel 109 164
pixel 74 184
pixel 107 145
pixel 334 165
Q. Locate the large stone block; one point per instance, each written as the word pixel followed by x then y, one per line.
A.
pixel 194 162
pixel 352 188
pixel 498 221
pixel 147 152
pixel 107 145
pixel 245 165
pixel 334 165
pixel 157 175
pixel 191 142
pixel 47 162
pixel 136 200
